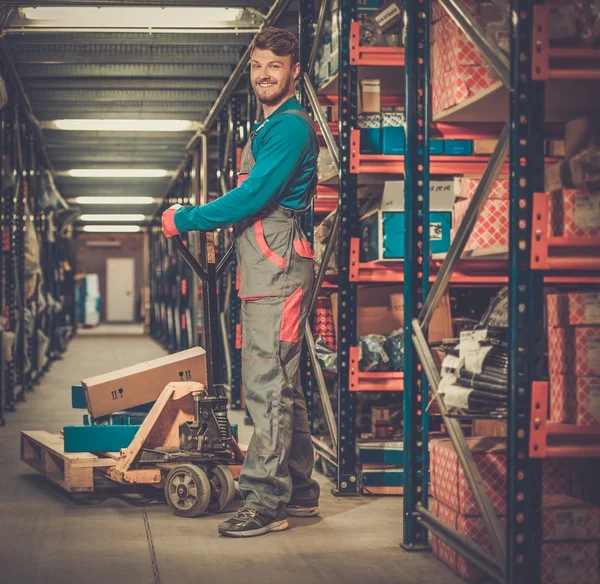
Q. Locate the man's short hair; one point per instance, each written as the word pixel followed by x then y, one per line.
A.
pixel 281 42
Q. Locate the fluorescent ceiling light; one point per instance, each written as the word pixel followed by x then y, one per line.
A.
pixel 122 16
pixel 112 228
pixel 113 217
pixel 118 172
pixel 113 200
pixel 98 125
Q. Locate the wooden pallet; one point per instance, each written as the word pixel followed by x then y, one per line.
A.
pixel 73 471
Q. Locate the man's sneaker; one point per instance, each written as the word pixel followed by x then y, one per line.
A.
pixel 249 522
pixel 301 511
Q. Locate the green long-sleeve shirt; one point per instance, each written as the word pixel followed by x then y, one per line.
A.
pixel 285 150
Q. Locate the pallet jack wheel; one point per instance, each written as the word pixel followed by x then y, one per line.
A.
pixel 222 489
pixel 187 490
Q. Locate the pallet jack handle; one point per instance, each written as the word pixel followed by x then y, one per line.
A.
pixel 208 275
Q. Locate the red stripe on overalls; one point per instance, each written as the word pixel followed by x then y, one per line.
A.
pixel 264 247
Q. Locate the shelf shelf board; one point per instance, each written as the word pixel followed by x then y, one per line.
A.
pixel 373 380
pixel 565 100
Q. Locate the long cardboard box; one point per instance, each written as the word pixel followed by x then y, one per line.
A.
pixel 142 383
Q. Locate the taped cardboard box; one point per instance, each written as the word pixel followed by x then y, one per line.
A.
pixel 380 310
pixel 142 383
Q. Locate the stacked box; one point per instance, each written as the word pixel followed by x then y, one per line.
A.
pixel 491 228
pixel 323 323
pixel 574 213
pixel 570 530
pixel 574 357
pixel 465 187
pixel 393 139
pixel 370 133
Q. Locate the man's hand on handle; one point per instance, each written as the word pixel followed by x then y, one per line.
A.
pixel 168 221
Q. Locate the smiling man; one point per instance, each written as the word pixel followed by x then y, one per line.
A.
pixel 277 181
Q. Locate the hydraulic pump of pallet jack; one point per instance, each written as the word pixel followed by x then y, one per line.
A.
pixel 210 432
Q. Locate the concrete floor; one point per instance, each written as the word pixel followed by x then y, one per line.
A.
pixel 51 538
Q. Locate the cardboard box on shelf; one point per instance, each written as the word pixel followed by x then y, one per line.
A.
pixel 574 213
pixel 142 383
pixel 458 147
pixel 484 147
pixel 370 133
pixel 449 484
pixel 465 188
pixel 491 228
pixel 588 400
pixel 454 86
pixel 382 226
pixel 569 530
pixel 494 428
pixel 370 93
pixel 556 148
pixel 563 399
pixel 574 351
pixel 573 308
pixel 452 47
pixel 380 310
pixel 393 138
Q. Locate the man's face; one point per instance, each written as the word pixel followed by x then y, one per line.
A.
pixel 272 76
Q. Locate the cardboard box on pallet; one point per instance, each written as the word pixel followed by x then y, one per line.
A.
pixel 569 530
pixel 491 228
pixel 142 383
pixel 449 484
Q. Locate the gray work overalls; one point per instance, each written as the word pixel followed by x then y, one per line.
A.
pixel 276 269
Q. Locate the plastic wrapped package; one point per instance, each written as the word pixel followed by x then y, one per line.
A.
pixel 325 166
pixel 394 347
pixel 372 355
pixel 327 358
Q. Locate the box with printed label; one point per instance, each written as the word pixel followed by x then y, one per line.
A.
pixel 465 188
pixel 575 308
pixel 436 146
pixel 142 383
pixel 569 528
pixel 441 195
pixel 370 93
pixel 491 228
pixel 393 139
pixel 452 47
pixel 382 234
pixel 454 86
pixel 484 147
pixel 458 147
pixel 370 133
pixel 574 213
pixel 449 484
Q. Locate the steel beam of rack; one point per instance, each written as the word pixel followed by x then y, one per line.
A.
pixel 346 480
pixel 525 316
pixel 416 265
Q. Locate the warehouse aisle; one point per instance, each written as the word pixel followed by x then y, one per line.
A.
pixel 47 537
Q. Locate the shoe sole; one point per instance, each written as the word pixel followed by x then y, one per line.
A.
pixel 275 526
pixel 308 512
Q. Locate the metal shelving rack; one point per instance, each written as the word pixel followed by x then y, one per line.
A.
pixel 24 207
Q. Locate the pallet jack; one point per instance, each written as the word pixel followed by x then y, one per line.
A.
pixel 196 467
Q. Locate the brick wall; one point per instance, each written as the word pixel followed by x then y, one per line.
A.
pixel 92 260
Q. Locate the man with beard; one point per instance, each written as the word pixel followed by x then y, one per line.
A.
pixel 277 181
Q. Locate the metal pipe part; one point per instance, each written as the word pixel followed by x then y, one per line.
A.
pixel 314 50
pixel 465 229
pixel 493 55
pixel 462 450
pixel 328 410
pixel 324 450
pixel 460 543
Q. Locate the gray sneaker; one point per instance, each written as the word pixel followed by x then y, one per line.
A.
pixel 301 511
pixel 249 522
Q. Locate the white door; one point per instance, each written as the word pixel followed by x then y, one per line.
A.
pixel 120 282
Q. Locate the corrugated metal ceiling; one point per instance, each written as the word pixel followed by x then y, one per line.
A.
pixel 123 75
